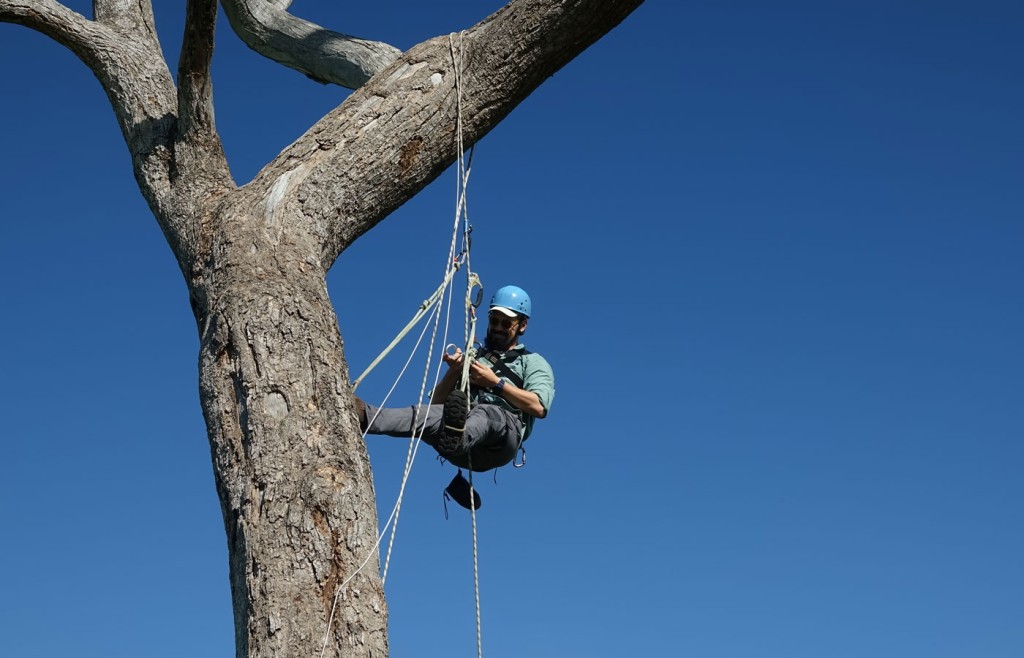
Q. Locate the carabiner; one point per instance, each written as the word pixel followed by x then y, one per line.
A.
pixel 522 463
pixel 474 282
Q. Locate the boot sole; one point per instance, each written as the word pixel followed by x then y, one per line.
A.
pixel 456 408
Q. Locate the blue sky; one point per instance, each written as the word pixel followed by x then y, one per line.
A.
pixel 775 260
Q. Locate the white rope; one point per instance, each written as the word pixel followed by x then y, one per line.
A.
pixel 394 512
pixel 424 307
pixel 471 282
pixel 476 563
pixel 432 305
pixel 415 441
pixel 433 302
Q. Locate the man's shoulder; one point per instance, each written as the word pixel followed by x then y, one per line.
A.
pixel 533 358
pixel 524 352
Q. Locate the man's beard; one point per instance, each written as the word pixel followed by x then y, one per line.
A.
pixel 498 341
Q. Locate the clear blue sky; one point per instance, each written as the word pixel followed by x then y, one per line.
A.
pixel 775 256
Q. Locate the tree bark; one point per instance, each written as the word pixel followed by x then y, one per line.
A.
pixel 323 55
pixel 291 470
pixel 293 475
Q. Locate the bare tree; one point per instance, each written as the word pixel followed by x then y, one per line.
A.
pixel 292 474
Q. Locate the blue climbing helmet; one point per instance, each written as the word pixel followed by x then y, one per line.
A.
pixel 511 300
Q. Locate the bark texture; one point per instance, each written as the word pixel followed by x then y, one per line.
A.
pixel 323 55
pixel 292 473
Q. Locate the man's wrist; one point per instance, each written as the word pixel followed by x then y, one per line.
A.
pixel 498 387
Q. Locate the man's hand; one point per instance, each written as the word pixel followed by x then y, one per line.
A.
pixel 451 378
pixel 482 376
pixel 453 360
pixel 479 374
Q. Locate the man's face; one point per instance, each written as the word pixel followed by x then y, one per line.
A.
pixel 503 331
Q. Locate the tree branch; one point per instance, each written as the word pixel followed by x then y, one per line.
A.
pixel 125 16
pixel 128 65
pixel 67 27
pixel 127 61
pixel 195 89
pixel 396 134
pixel 323 55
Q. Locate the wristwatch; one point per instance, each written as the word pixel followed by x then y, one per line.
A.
pixel 499 387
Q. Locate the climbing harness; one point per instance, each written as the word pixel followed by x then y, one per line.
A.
pixel 500 362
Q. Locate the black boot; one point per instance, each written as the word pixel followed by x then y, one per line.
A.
pixel 458 490
pixel 361 413
pixel 456 408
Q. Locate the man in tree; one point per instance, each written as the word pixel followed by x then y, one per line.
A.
pixel 291 472
pixel 509 388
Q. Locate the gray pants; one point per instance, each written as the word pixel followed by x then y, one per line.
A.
pixel 491 438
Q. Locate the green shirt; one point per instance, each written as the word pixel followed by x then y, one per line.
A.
pixel 537 378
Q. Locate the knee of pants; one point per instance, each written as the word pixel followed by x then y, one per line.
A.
pixel 492 439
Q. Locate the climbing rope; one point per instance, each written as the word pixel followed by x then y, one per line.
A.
pixel 476 562
pixel 471 283
pixel 432 305
pixel 414 444
pixel 416 440
pixel 424 308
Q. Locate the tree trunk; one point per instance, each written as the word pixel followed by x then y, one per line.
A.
pixel 292 472
pixel 293 475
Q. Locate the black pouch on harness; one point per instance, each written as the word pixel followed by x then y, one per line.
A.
pixel 459 491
